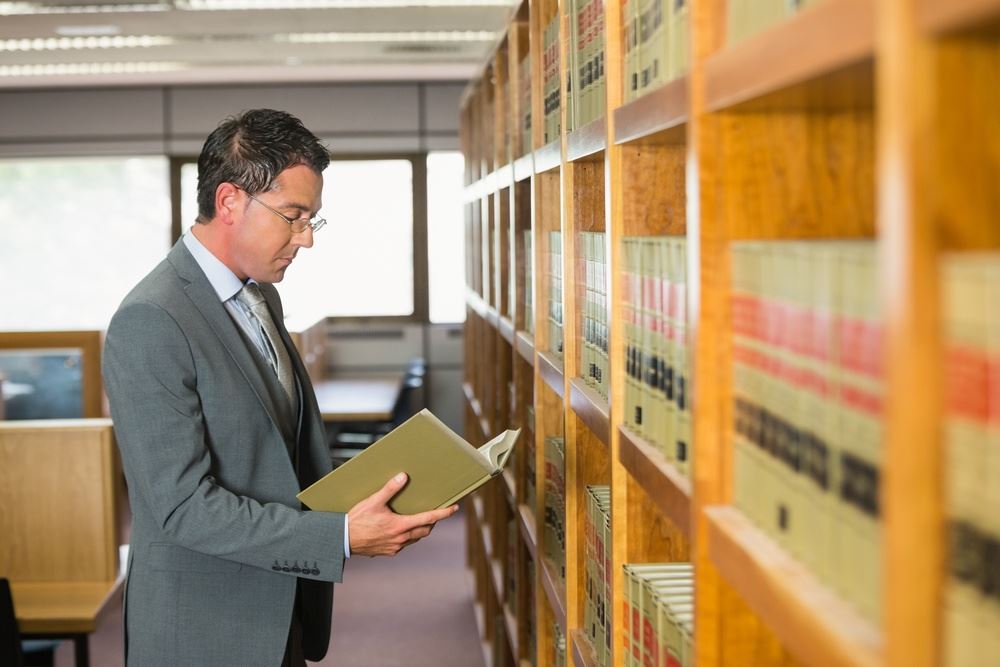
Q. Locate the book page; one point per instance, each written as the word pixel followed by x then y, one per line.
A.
pixel 497 450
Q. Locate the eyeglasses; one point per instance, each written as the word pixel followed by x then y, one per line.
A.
pixel 298 225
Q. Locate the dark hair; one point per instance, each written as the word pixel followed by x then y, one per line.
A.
pixel 250 150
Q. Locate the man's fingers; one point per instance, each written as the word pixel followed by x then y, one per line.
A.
pixel 391 488
pixel 433 516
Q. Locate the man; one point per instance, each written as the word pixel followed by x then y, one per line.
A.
pixel 218 425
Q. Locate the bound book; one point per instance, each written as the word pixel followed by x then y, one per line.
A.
pixel 442 468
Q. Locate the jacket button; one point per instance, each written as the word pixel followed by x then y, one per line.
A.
pixel 296 568
pixel 276 567
pixel 285 568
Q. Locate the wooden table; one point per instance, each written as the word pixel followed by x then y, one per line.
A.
pixel 64 610
pixel 361 398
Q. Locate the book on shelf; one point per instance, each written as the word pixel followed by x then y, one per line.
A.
pixel 554 535
pixel 524 92
pixel 529 284
pixel 552 86
pixel 529 481
pixel 558 646
pixel 807 396
pixel 555 297
pixel 655 42
pixel 971 342
pixel 749 17
pixel 597 529
pixel 441 465
pixel 646 587
pixel 594 351
pixel 657 361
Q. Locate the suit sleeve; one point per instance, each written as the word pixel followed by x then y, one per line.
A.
pixel 151 382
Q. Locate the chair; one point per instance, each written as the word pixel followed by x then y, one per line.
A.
pixel 10 636
pixel 357 436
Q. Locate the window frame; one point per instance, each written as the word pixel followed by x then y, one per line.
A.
pixel 421 279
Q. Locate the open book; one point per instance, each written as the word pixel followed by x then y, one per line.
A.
pixel 442 468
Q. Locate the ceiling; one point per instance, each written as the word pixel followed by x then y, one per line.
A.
pixel 55 43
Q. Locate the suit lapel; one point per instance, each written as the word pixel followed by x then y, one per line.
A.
pixel 200 291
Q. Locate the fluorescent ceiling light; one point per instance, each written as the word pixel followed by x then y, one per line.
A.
pixel 224 5
pixel 87 30
pixel 79 43
pixel 22 8
pixel 377 37
pixel 63 69
pixel 30 8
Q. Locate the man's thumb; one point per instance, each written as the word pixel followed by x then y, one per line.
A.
pixel 392 487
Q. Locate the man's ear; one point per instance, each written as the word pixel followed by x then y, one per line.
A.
pixel 227 202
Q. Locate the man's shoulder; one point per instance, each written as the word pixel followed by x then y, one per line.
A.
pixel 161 287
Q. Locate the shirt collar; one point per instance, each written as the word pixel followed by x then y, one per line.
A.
pixel 223 281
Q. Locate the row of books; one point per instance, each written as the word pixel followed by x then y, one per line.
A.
pixel 529 455
pixel 655 36
pixel 532 623
pixel 555 294
pixel 597 535
pixel 588 87
pixel 807 391
pixel 551 81
pixel 657 355
pixel 594 352
pixel 748 17
pixel 970 285
pixel 659 614
pixel 524 93
pixel 558 646
pixel 529 289
pixel 554 535
pixel 510 561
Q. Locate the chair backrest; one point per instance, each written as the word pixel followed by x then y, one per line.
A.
pixel 60 482
pixel 10 638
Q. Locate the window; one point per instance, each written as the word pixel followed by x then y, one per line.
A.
pixel 78 233
pixel 446 236
pixel 362 261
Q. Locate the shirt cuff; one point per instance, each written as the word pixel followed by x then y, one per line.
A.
pixel 347 539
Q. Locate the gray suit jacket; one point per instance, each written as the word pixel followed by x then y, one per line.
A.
pixel 219 544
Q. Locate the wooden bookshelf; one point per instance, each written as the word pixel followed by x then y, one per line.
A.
pixel 662 482
pixel 805 615
pixel 943 16
pixel 583 652
pixel 762 64
pixel 653 115
pixel 588 142
pixel 786 134
pixel 591 408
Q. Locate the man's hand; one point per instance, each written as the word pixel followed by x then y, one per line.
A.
pixel 378 531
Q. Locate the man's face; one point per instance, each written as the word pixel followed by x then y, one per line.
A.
pixel 263 244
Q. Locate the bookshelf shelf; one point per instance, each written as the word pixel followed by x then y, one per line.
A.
pixel 496 576
pixel 663 483
pixel 548 157
pixel 525 344
pixel 485 644
pixel 506 328
pixel 941 16
pixel 503 177
pixel 814 623
pixel 510 621
pixel 761 64
pixel 509 487
pixel 591 408
pixel 588 142
pixel 552 373
pixel 554 592
pixel 484 427
pixel 527 524
pixel 583 652
pixel 524 167
pixel 492 317
pixel 475 301
pixel 651 117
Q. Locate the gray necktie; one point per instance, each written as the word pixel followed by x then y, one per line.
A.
pixel 251 297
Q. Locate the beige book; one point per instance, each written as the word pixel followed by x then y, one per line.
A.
pixel 442 468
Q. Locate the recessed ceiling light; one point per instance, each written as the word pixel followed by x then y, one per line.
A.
pixel 16 8
pixel 62 69
pixel 89 42
pixel 87 30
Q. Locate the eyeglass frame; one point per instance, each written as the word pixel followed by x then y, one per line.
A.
pixel 315 224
